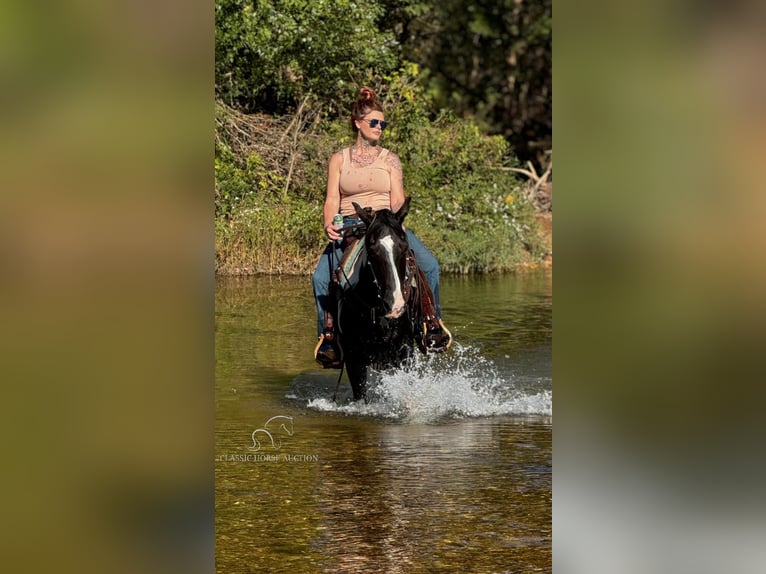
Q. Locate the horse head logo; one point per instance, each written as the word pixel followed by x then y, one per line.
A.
pixel 266 433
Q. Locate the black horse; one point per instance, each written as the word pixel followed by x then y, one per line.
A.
pixel 376 317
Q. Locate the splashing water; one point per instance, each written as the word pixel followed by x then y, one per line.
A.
pixel 457 384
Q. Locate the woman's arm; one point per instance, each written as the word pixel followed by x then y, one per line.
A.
pixel 332 200
pixel 397 181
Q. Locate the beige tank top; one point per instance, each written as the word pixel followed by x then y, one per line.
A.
pixel 369 186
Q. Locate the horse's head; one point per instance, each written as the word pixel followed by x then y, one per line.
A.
pixel 387 249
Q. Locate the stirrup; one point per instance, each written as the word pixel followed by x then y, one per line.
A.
pixel 438 340
pixel 326 353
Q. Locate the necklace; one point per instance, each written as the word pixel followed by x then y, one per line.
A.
pixel 364 157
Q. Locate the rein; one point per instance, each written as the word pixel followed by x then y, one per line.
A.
pixel 355 228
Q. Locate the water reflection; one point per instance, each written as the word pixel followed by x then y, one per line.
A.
pixel 441 498
pixel 431 488
pixel 467 496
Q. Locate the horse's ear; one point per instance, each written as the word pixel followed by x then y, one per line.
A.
pixel 363 214
pixel 404 209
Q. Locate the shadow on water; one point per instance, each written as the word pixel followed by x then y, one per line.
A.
pixel 447 469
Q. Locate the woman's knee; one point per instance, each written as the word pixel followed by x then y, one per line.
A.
pixel 320 279
pixel 428 263
pixel 432 264
pixel 315 276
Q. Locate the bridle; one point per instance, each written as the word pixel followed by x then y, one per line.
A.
pixel 379 299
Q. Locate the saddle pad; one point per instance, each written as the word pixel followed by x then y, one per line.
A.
pixel 354 257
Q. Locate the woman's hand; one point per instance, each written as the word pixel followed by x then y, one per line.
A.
pixel 332 232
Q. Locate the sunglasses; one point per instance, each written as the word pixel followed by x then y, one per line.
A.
pixel 375 122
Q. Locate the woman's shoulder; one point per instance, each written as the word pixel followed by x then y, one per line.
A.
pixel 337 157
pixel 343 153
pixel 391 158
pixel 387 153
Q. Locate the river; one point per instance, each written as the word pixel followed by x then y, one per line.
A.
pixel 446 469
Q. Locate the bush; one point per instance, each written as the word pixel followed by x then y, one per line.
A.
pixel 269 239
pixel 269 55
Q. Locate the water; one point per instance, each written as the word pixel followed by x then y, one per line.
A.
pixel 446 469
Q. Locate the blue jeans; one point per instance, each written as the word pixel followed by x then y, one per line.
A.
pixel 331 257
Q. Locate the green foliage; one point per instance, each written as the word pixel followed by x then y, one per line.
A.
pixel 491 60
pixel 315 157
pixel 240 184
pixel 270 238
pixel 229 184
pixel 488 60
pixel 479 224
pixel 467 206
pixel 271 53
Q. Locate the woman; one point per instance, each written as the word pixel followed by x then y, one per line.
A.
pixel 370 175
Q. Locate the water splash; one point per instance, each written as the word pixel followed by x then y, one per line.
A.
pixel 457 384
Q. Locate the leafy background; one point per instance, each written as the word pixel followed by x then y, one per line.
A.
pixel 466 87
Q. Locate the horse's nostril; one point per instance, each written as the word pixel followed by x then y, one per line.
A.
pixel 396 310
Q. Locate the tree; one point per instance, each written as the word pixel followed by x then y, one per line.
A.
pixel 270 54
pixel 486 59
pixel 490 59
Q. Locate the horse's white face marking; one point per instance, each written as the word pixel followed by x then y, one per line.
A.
pixel 397 305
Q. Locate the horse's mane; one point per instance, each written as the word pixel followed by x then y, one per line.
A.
pixel 384 218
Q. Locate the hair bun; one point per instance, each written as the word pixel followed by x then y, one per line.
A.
pixel 364 104
pixel 366 95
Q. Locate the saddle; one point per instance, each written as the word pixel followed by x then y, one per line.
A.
pixel 354 257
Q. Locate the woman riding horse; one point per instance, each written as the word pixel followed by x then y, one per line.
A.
pixel 370 175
